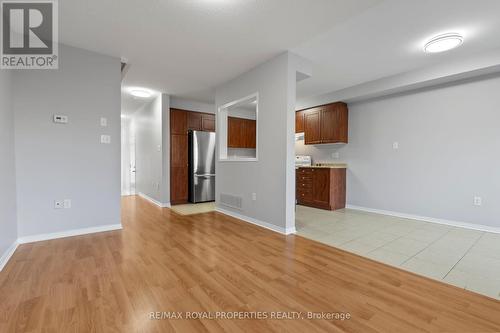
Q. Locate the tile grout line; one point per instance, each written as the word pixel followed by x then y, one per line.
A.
pixel 477 240
pixel 404 235
pixel 381 246
pixel 434 242
pixel 354 239
pixel 395 239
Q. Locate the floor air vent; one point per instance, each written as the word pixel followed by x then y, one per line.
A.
pixel 231 201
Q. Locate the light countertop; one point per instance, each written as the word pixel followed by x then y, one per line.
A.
pixel 327 166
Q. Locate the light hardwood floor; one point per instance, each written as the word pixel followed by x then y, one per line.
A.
pixel 161 261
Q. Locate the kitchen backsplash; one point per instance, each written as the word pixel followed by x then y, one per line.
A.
pixel 329 153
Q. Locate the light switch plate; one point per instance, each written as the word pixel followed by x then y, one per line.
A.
pixel 104 122
pixel 60 119
pixel 395 145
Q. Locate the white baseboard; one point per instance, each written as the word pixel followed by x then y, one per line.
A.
pixel 8 254
pixel 272 227
pixel 69 233
pixel 156 202
pixel 465 225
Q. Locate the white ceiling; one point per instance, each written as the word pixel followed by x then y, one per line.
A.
pixel 187 47
pixel 388 39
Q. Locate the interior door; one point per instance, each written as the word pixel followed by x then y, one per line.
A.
pixel 132 165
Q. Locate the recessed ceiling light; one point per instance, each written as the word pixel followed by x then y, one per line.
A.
pixel 140 93
pixel 443 43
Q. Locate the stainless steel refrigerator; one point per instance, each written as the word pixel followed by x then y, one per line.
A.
pixel 201 166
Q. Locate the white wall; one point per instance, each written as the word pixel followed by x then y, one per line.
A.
pixel 8 219
pixel 449 142
pixel 56 161
pixel 151 124
pixel 271 176
pixel 184 104
pixel 242 113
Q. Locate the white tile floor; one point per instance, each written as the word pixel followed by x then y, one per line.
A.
pixel 465 258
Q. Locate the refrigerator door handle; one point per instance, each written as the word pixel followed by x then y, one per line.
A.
pixel 205 175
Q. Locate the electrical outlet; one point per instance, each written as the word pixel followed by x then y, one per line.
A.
pixel 395 145
pixel 67 203
pixel 478 201
pixel 254 196
pixel 58 204
pixel 336 155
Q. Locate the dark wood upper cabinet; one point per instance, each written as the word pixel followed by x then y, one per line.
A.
pixel 328 124
pixel 234 132
pixel 178 121
pixel 312 126
pixel 198 121
pixel 325 124
pixel 299 121
pixel 334 123
pixel 241 133
pixel 208 122
pixel 250 133
pixel 194 121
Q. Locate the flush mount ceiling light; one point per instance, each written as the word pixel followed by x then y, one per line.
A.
pixel 443 43
pixel 140 93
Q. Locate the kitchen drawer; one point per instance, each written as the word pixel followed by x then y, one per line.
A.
pixel 304 185
pixel 304 171
pixel 304 178
pixel 304 195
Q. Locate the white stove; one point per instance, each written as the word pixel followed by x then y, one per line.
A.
pixel 302 161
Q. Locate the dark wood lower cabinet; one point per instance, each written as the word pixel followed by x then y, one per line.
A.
pixel 323 188
pixel 179 185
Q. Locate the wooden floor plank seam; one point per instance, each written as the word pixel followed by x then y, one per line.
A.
pixel 209 263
